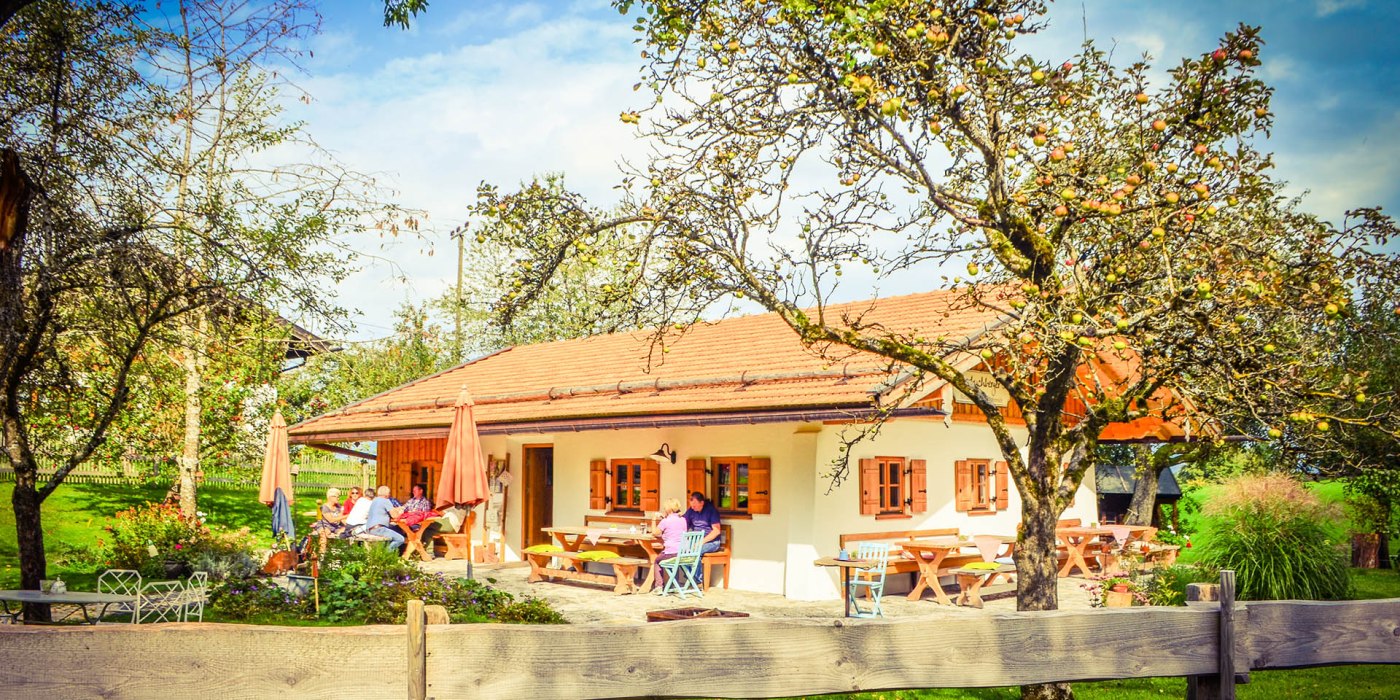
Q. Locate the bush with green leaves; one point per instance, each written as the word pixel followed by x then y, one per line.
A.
pixel 145 537
pixel 1166 585
pixel 1281 541
pixel 247 599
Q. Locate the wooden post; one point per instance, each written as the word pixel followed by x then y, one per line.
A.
pixel 1220 686
pixel 417 651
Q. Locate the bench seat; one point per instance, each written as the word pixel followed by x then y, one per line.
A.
pixel 622 579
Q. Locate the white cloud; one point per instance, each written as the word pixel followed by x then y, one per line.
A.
pixel 1331 7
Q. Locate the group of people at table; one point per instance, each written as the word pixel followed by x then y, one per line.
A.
pixel 376 513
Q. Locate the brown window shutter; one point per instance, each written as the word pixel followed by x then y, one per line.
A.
pixel 869 487
pixel 918 485
pixel 760 486
pixel 598 484
pixel 651 485
pixel 695 476
pixel 1003 483
pixel 962 483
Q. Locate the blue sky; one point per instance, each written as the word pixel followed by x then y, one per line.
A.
pixel 499 91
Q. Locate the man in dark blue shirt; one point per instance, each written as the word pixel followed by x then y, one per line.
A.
pixel 703 516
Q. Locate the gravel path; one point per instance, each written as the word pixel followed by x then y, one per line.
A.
pixel 589 603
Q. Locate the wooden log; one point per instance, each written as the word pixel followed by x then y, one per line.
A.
pixel 1292 633
pixel 417 651
pixel 1220 685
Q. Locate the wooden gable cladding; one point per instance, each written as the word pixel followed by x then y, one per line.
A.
pixel 402 463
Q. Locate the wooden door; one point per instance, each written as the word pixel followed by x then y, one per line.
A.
pixel 537 497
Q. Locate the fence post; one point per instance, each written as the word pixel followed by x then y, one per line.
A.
pixel 417 651
pixel 1221 686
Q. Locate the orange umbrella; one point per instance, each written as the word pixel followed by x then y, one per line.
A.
pixel 463 479
pixel 277 465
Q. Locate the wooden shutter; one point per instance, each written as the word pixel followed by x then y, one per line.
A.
pixel 918 485
pixel 760 484
pixel 869 487
pixel 695 476
pixel 1003 484
pixel 651 485
pixel 962 485
pixel 598 484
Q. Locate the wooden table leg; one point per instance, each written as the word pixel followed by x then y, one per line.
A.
pixel 649 547
pixel 626 573
pixel 1076 558
pixel 928 578
pixel 971 585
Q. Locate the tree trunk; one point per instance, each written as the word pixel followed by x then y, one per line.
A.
pixel 1145 476
pixel 29 535
pixel 194 381
pixel 1038 580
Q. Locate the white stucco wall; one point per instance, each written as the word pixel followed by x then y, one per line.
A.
pixel 774 553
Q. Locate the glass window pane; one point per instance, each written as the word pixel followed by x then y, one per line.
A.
pixel 741 488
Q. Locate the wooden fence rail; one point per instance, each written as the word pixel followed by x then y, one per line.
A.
pixel 743 658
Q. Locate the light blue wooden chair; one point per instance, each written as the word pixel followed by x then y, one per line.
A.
pixel 683 569
pixel 870 581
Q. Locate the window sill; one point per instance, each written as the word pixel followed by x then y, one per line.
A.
pixel 627 512
pixel 893 516
pixel 981 512
pixel 726 515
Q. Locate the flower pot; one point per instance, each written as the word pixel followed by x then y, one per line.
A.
pixel 1117 599
pixel 1120 588
pixel 174 568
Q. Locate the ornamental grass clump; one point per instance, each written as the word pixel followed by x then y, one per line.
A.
pixel 1281 541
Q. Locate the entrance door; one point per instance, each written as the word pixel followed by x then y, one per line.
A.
pixel 538 497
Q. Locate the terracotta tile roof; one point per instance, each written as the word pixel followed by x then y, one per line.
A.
pixel 750 363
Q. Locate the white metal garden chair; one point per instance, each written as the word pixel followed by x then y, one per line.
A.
pixel 871 580
pixel 683 569
pixel 121 582
pixel 161 601
pixel 196 595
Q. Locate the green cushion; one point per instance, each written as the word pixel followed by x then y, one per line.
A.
pixel 544 549
pixel 983 566
pixel 597 555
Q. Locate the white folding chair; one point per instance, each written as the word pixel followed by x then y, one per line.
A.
pixel 121 582
pixel 161 601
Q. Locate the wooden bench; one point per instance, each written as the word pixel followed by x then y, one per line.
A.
pixel 720 557
pixel 970 582
pixel 622 579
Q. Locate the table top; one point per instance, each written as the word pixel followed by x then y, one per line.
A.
pixel 1083 531
pixel 927 543
pixel 845 563
pixel 70 597
pixel 602 532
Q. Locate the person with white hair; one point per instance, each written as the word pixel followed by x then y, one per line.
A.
pixel 379 521
pixel 332 522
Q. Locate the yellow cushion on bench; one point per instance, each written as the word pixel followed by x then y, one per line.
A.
pixel 983 565
pixel 543 549
pixel 597 555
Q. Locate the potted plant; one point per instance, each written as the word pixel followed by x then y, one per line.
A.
pixel 1118 592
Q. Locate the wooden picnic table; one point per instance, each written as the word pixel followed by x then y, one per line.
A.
pixel 571 538
pixel 1077 541
pixel 929 554
pixel 78 599
pixel 413 539
pixel 847 566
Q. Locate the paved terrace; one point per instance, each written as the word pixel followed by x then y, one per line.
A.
pixel 590 603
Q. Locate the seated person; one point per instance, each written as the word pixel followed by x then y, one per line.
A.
pixel 418 509
pixel 703 516
pixel 332 522
pixel 350 500
pixel 378 520
pixel 358 515
pixel 670 529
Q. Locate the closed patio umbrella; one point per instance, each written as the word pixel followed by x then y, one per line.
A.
pixel 463 478
pixel 282 515
pixel 277 465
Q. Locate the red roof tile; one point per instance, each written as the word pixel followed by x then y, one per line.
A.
pixel 749 363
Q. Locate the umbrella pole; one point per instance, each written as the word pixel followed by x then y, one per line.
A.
pixel 471 555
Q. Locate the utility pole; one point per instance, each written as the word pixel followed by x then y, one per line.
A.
pixel 457 308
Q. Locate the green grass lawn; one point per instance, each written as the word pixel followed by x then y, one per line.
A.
pixel 73 518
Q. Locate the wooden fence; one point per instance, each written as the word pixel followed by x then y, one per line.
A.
pixel 314 471
pixel 740 658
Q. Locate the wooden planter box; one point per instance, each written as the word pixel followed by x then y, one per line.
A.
pixel 691 614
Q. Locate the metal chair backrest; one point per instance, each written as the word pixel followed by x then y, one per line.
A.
pixel 119 581
pixel 161 601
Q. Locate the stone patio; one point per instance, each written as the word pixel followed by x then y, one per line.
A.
pixel 590 603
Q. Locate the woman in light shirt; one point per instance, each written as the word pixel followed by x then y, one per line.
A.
pixel 670 530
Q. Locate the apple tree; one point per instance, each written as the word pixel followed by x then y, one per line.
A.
pixel 1128 234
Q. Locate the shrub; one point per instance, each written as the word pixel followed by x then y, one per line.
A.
pixel 145 537
pixel 1278 537
pixel 1166 585
pixel 241 600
